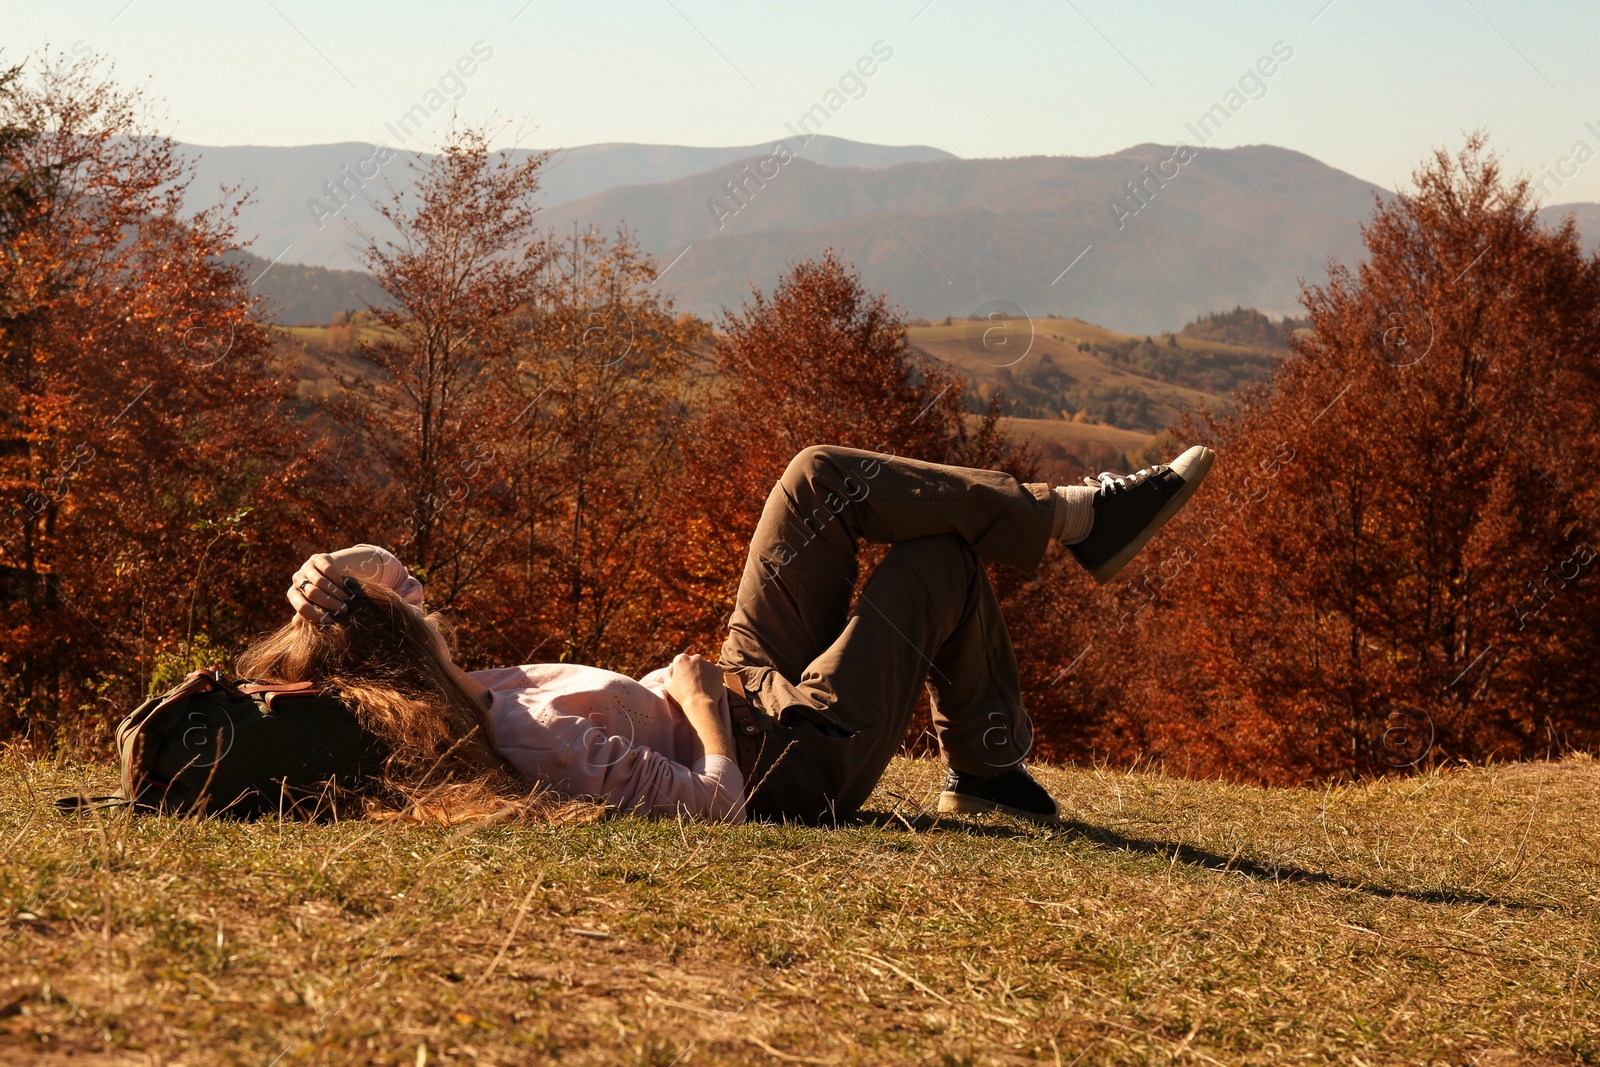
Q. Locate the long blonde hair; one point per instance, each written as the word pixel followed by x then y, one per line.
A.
pixel 382 657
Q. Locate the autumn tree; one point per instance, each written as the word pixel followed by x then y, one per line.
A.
pixel 822 360
pixel 439 386
pixel 1393 561
pixel 583 581
pixel 146 473
pixel 508 413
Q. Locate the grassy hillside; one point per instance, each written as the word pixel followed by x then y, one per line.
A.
pixel 1086 396
pixel 1069 450
pixel 1447 918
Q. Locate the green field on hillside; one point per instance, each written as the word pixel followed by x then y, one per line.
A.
pixel 1087 398
pixel 1448 918
pixel 1056 368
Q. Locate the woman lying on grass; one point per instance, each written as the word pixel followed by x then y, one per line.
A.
pixel 813 695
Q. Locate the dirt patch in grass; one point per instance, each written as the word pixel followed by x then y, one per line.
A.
pixel 1443 919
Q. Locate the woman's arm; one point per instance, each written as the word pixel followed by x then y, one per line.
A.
pixel 696 684
pixel 574 756
pixel 317 589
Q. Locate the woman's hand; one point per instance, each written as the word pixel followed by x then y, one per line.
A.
pixel 696 684
pixel 693 677
pixel 317 590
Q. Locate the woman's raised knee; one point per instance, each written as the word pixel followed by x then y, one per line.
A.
pixel 808 463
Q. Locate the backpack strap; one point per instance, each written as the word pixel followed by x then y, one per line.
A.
pixel 197 682
pixel 308 688
pixel 268 691
pixel 79 805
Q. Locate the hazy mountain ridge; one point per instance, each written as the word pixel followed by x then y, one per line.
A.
pixel 965 232
pixel 289 183
pixel 1587 216
pixel 298 294
pixel 1231 227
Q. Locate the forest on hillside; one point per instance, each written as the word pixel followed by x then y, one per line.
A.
pixel 1388 568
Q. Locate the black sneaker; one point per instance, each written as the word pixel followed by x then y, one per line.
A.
pixel 1014 792
pixel 1130 508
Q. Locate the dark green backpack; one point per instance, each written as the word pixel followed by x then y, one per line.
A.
pixel 213 747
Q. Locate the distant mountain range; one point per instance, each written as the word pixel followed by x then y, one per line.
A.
pixel 346 179
pixel 1140 240
pixel 1587 217
pixel 1236 226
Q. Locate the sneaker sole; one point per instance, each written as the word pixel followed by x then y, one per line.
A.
pixel 961 804
pixel 1197 474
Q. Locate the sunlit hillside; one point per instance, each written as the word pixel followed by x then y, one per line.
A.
pixel 1087 396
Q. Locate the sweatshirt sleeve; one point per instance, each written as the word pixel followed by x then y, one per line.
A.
pixel 393 574
pixel 579 759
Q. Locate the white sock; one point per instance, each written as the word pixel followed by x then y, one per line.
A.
pixel 1074 513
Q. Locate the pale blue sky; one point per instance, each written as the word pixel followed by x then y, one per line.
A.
pixel 1371 86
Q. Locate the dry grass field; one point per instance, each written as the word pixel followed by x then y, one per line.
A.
pixel 1069 450
pixel 1089 398
pixel 961 344
pixel 1448 918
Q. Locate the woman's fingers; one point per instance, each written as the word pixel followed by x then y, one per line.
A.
pixel 330 595
pixel 693 673
pixel 320 591
pixel 711 674
pixel 325 574
pixel 315 591
pixel 305 608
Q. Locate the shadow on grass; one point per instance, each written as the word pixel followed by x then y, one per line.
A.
pixel 1177 852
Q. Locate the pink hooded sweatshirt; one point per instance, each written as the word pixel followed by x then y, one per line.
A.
pixel 589 732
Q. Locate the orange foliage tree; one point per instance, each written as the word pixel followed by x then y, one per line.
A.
pixel 507 423
pixel 586 582
pixel 821 360
pixel 1393 561
pixel 146 470
pixel 440 386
